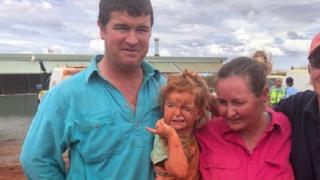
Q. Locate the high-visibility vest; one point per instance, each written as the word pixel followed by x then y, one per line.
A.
pixel 276 94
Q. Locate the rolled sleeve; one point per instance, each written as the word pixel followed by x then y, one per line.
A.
pixel 41 154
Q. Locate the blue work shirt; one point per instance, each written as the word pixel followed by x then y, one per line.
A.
pixel 291 91
pixel 90 118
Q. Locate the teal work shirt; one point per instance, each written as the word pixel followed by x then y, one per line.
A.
pixel 90 118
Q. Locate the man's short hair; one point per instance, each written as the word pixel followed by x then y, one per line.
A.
pixel 289 81
pixel 133 8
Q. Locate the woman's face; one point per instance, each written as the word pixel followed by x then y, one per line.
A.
pixel 238 105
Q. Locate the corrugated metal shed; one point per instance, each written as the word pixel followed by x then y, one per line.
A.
pixel 29 63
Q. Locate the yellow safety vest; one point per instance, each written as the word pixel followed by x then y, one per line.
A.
pixel 276 95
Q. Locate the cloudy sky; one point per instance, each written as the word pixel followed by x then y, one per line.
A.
pixel 224 28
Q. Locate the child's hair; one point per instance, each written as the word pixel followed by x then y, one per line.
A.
pixel 188 81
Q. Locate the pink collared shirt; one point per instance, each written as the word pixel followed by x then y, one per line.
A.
pixel 224 156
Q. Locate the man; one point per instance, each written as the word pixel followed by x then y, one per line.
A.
pixel 100 114
pixel 303 109
pixel 290 90
pixel 276 92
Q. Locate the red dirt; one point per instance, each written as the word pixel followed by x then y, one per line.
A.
pixel 9 160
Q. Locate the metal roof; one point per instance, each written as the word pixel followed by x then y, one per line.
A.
pixel 29 63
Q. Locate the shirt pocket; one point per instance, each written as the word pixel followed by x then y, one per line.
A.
pixel 277 169
pixel 222 165
pixel 97 136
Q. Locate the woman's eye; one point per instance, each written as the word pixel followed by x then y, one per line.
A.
pixel 222 102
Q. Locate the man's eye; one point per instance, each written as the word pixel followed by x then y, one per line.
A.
pixel 121 28
pixel 143 30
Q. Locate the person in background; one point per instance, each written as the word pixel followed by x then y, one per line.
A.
pixel 261 56
pixel 303 109
pixel 184 102
pixel 99 115
pixel 249 140
pixel 290 90
pixel 277 92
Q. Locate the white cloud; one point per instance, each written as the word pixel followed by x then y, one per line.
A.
pixel 96 45
pixel 297 46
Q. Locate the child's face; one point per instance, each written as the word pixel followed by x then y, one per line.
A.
pixel 180 112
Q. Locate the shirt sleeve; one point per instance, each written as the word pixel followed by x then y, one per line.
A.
pixel 285 106
pixel 42 152
pixel 160 150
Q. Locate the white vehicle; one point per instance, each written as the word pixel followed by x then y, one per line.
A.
pixel 59 74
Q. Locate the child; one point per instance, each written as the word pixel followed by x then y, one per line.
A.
pixel 184 102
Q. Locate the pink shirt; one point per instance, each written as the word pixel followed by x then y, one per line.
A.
pixel 224 156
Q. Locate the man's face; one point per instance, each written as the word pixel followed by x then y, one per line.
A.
pixel 126 39
pixel 314 71
pixel 278 83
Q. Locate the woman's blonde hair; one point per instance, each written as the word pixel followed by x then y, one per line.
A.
pixel 266 59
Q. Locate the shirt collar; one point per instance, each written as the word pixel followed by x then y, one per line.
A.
pixel 275 123
pixel 312 105
pixel 93 67
pixel 148 70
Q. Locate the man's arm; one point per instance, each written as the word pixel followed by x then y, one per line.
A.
pixel 41 154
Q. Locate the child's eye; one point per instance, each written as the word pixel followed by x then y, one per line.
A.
pixel 170 105
pixel 188 109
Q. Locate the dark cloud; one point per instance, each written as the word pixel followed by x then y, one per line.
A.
pixel 278 40
pixel 294 35
pixel 298 12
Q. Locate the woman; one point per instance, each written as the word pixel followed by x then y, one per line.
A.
pixel 248 141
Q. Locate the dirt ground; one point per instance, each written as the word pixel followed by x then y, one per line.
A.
pixel 12 133
pixel 9 160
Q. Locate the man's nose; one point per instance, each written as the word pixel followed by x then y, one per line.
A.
pixel 132 38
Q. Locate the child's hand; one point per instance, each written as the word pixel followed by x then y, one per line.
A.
pixel 162 129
